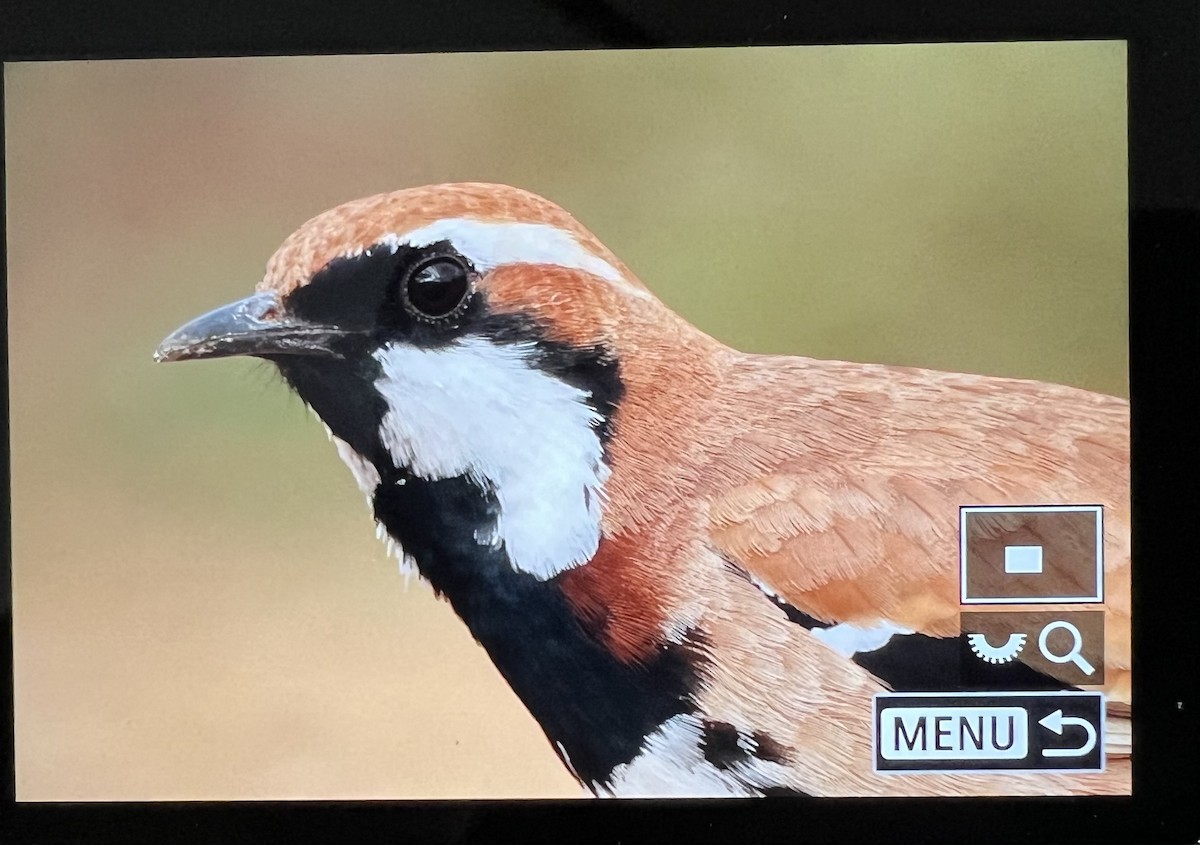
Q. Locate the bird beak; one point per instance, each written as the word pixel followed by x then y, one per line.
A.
pixel 256 325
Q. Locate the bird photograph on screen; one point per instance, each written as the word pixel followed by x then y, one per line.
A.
pixel 695 567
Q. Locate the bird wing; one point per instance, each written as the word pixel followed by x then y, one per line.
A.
pixel 841 494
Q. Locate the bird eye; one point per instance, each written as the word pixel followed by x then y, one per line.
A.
pixel 437 288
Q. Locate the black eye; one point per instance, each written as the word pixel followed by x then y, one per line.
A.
pixel 436 288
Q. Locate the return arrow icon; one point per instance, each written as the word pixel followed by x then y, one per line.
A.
pixel 1055 722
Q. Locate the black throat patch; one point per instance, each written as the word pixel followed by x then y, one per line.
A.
pixel 596 709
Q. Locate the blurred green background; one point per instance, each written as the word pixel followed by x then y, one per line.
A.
pixel 201 608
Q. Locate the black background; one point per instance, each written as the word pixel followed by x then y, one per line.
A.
pixel 1164 334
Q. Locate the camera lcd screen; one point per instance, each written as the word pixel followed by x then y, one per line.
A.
pixel 737 422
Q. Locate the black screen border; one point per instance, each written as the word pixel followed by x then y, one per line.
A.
pixel 1164 210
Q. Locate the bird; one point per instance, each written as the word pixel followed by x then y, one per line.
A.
pixel 696 567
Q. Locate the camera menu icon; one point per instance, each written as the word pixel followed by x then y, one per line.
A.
pixel 991 731
pixel 1041 554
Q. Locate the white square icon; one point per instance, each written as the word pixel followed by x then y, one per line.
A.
pixel 1023 560
pixel 1031 554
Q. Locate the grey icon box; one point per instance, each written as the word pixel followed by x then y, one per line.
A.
pixel 989 731
pixel 1031 554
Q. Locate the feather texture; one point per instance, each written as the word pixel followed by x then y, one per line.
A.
pixel 749 491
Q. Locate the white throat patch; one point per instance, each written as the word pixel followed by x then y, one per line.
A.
pixel 483 410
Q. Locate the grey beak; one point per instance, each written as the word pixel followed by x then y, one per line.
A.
pixel 255 325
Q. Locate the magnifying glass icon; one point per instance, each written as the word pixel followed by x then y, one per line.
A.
pixel 1073 654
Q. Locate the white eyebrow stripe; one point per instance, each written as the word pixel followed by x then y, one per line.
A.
pixel 488 245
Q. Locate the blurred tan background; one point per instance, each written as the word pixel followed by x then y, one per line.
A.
pixel 201 608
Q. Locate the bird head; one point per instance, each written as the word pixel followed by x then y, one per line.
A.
pixel 458 331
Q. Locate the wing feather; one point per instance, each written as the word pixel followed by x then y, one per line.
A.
pixel 842 495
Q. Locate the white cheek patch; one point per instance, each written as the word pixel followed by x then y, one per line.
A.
pixel 490 245
pixel 849 640
pixel 484 411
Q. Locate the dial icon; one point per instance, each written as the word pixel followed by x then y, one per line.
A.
pixel 996 654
